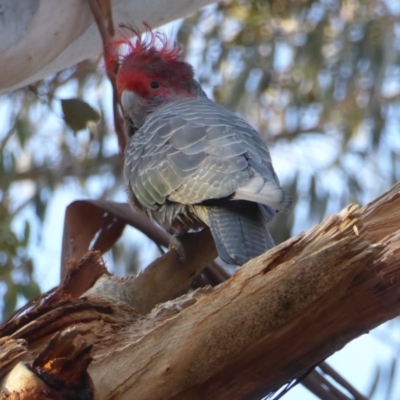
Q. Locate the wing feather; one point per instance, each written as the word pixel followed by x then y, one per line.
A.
pixel 193 150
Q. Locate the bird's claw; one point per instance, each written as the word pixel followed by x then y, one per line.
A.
pixel 176 244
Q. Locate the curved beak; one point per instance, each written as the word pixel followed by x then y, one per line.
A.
pixel 129 99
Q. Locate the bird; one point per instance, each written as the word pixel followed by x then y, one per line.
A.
pixel 189 162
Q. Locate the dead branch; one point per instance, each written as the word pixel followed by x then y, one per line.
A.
pixel 164 279
pixel 98 224
pixel 277 317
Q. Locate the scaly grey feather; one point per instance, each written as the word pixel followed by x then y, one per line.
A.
pixel 240 232
pixel 193 151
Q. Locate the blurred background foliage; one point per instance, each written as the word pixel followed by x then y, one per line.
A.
pixel 319 79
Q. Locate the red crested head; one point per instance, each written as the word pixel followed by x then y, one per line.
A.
pixel 151 67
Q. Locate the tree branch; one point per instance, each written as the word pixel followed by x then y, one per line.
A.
pixel 275 319
pixel 36 46
pixel 102 14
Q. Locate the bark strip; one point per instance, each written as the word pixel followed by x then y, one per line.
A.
pixel 277 317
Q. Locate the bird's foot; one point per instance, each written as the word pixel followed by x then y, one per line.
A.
pixel 176 244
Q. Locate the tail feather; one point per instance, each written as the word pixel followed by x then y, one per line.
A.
pixel 268 193
pixel 240 232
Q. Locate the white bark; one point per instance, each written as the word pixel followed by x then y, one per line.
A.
pixel 41 37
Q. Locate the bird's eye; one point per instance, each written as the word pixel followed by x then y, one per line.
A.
pixel 154 85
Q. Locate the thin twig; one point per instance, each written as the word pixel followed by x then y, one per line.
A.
pixel 322 387
pixel 215 274
pixel 315 387
pixel 11 131
pixel 99 18
pixel 109 18
pixel 101 14
pixel 328 370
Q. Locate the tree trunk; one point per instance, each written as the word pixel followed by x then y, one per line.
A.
pixel 41 37
pixel 273 321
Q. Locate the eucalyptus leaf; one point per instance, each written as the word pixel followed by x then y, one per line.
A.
pixel 78 113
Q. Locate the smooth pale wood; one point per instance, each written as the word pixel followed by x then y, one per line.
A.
pixel 47 36
pixel 277 317
pixel 164 279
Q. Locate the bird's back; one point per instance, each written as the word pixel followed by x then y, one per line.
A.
pixel 194 153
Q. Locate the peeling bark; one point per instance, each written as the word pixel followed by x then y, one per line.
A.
pixel 273 321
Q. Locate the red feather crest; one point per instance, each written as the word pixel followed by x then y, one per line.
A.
pixel 145 44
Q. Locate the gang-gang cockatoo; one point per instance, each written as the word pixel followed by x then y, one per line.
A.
pixel 189 162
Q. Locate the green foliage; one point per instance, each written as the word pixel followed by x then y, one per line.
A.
pixel 77 113
pixel 303 70
pixel 38 155
pixel 16 267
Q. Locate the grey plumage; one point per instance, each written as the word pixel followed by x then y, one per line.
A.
pixel 240 231
pixel 193 163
